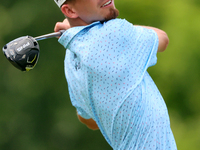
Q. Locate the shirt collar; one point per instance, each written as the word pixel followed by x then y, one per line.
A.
pixel 69 34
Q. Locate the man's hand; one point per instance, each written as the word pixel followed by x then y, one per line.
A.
pixel 62 25
pixel 90 123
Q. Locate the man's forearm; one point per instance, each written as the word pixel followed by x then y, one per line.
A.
pixel 162 36
pixel 90 123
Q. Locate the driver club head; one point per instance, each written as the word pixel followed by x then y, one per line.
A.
pixel 23 52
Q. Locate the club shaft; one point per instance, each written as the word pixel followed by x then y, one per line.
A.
pixel 50 35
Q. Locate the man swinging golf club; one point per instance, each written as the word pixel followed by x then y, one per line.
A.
pixel 106 69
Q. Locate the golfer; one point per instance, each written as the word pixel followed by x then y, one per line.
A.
pixel 106 66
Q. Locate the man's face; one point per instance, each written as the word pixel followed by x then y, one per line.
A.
pixel 95 10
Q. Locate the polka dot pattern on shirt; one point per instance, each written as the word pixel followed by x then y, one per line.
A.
pixel 106 70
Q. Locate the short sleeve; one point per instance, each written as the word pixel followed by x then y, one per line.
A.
pixel 80 111
pixel 134 44
pixel 154 44
pixel 146 46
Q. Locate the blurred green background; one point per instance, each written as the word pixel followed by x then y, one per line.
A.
pixel 35 110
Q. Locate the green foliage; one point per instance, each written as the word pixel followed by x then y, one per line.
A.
pixel 36 113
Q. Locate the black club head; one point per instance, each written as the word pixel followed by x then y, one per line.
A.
pixel 22 52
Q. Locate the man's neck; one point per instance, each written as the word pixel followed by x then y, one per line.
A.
pixel 76 22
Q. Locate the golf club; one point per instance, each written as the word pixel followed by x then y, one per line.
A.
pixel 23 52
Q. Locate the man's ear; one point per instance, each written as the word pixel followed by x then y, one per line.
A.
pixel 68 11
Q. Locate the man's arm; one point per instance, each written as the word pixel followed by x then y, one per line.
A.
pixel 90 123
pixel 162 36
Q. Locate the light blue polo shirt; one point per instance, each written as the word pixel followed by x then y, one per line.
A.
pixel 106 70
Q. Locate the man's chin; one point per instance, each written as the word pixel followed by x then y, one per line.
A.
pixel 114 13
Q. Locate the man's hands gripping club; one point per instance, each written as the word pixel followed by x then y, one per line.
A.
pixel 62 25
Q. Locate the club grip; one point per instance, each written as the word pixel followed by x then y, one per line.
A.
pixel 50 35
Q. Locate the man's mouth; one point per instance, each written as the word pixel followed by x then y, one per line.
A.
pixel 107 3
